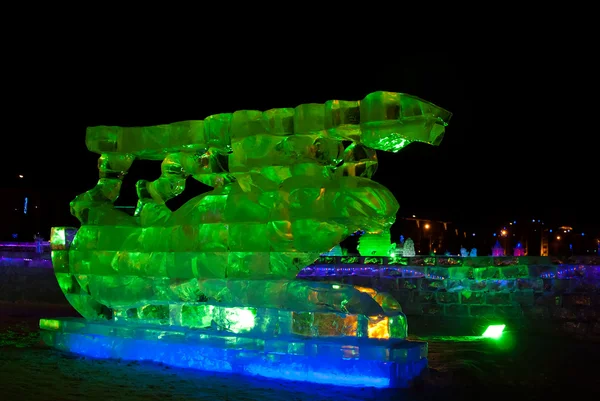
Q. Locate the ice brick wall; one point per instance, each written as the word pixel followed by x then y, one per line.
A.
pixel 29 279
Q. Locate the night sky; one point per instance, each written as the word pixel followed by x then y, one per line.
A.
pixel 521 142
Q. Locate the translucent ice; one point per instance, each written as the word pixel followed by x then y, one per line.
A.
pixel 375 244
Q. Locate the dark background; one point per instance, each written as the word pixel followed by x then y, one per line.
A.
pixel 521 144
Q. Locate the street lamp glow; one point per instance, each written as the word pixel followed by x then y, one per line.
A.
pixel 427 226
pixel 558 237
pixel 20 175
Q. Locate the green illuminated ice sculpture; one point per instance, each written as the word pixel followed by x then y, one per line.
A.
pixel 289 184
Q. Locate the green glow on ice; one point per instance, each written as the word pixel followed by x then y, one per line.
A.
pixel 494 331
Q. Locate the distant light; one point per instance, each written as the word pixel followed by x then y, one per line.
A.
pixel 20 175
pixel 515 222
pixel 538 221
pixel 427 226
pixel 494 234
pixel 550 230
pixel 414 215
pixel 494 331
pixel 473 234
pixel 503 232
pixel 533 221
pixel 25 206
pixel 582 234
pixel 510 224
pixel 558 237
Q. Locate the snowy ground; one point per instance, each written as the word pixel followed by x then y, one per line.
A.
pixel 532 368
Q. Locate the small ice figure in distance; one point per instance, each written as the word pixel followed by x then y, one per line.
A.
pixel 519 251
pixel 463 252
pixel 409 248
pixel 473 252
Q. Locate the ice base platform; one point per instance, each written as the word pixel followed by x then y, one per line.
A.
pixel 344 361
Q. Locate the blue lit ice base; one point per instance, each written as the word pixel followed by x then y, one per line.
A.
pixel 344 361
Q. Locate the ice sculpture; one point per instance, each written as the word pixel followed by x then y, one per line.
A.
pixel 497 249
pixel 409 248
pixel 289 185
pixel 518 250
pixel 375 244
pixel 335 251
pixel 464 253
pixel 473 252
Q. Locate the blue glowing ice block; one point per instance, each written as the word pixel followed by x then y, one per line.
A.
pixel 345 361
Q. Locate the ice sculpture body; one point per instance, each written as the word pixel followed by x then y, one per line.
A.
pixel 473 252
pixel 289 184
pixel 464 253
pixel 335 251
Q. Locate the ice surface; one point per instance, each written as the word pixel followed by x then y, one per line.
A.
pixel 289 185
